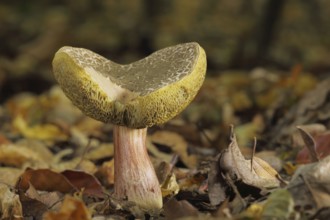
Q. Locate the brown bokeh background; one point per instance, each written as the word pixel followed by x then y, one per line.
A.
pixel 235 34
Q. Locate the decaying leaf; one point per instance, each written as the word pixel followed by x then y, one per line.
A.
pixel 32 208
pixel 100 152
pixel 9 175
pixel 107 172
pixel 49 199
pixel 309 143
pixel 319 147
pixel 71 209
pixel 68 181
pixel 175 209
pixel 312 129
pixel 248 131
pixel 177 144
pixel 170 186
pixel 279 205
pixel 41 132
pixel 84 181
pixel 216 186
pixel 10 205
pixel 14 155
pixel 310 186
pixel 260 175
pixel 44 180
pixel 231 167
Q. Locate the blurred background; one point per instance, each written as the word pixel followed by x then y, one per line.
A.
pixel 275 34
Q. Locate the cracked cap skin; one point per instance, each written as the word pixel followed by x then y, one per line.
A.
pixel 141 94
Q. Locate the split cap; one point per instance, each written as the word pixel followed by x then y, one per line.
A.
pixel 137 95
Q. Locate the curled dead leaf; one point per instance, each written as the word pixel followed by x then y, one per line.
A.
pixel 231 167
pixel 260 175
pixel 170 186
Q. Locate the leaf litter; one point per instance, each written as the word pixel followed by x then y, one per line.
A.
pixel 57 163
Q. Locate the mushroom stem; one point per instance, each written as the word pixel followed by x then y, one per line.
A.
pixel 135 177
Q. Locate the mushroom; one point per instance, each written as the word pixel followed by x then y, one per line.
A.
pixel 132 97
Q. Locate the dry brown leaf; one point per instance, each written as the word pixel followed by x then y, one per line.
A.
pixel 14 155
pixel 309 143
pixel 104 150
pixel 246 132
pixel 10 205
pixel 215 183
pixel 87 182
pixel 230 168
pixel 76 163
pixel 177 144
pixel 310 186
pixel 260 175
pixel 107 172
pixel 170 186
pixel 175 209
pixel 71 209
pixel 321 148
pixel 44 180
pixel 66 182
pixel 271 158
pixel 49 199
pixel 4 140
pixel 157 153
pixel 312 129
pixel 32 207
pixel 41 131
pixel 9 175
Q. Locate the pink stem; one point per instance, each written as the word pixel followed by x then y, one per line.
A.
pixel 135 177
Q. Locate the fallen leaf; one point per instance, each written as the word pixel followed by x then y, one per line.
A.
pixel 175 209
pixel 271 158
pixel 107 172
pixel 81 180
pixel 13 155
pixel 32 207
pixel 170 186
pixel 312 129
pixel 9 175
pixel 10 205
pixel 258 174
pixel 71 209
pixel 4 140
pixel 279 205
pixel 232 171
pixel 68 181
pixel 216 186
pixel 44 180
pixel 310 186
pixel 322 148
pixel 49 199
pixel 41 131
pixel 309 143
pixel 246 132
pixel 177 144
pixel 102 151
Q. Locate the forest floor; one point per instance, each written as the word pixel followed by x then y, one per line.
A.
pixel 252 145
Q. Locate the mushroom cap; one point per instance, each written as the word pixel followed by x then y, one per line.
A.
pixel 141 94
